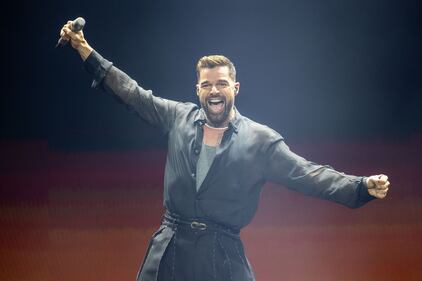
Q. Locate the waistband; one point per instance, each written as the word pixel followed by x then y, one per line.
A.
pixel 199 225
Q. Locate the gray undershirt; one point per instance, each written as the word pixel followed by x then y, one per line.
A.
pixel 204 163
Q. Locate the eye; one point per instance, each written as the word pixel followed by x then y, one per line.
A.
pixel 206 86
pixel 222 84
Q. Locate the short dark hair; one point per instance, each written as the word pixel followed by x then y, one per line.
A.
pixel 213 61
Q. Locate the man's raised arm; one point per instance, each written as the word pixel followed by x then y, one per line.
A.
pixel 157 111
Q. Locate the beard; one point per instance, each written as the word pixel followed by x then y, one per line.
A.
pixel 218 119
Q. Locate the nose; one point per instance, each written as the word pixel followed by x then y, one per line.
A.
pixel 214 89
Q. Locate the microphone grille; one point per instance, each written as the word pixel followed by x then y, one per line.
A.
pixel 78 24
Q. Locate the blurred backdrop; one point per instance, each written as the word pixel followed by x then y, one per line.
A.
pixel 81 177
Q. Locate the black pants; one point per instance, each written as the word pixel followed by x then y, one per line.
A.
pixel 195 250
pixel 198 255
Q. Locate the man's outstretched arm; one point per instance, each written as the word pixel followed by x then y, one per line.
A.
pixel 295 172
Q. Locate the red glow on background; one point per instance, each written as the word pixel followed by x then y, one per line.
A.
pixel 89 215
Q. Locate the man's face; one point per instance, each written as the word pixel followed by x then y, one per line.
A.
pixel 216 92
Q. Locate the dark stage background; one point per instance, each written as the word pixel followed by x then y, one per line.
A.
pixel 81 177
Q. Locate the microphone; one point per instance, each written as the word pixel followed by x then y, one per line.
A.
pixel 77 25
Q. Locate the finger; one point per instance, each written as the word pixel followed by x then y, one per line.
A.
pixel 63 27
pixel 382 178
pixel 381 194
pixel 384 190
pixel 382 186
pixel 62 32
pixel 63 35
pixel 70 33
pixel 67 25
pixel 380 181
pixel 75 35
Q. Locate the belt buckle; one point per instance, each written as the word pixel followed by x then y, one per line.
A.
pixel 198 225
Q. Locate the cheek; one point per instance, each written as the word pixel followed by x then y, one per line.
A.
pixel 201 98
pixel 230 96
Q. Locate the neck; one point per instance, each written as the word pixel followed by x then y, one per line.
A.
pixel 217 128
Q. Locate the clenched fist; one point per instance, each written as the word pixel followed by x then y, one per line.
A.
pixel 77 40
pixel 378 185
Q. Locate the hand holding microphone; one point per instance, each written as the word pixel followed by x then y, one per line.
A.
pixel 72 31
pixel 75 26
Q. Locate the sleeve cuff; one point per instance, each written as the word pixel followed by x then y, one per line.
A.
pixel 97 67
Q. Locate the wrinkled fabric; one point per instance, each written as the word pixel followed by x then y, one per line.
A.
pixel 250 154
pixel 179 252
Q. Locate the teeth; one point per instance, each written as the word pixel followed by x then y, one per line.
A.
pixel 215 101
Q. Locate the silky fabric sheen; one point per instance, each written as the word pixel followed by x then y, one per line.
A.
pixel 249 155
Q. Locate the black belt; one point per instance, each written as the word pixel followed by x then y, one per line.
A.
pixel 199 225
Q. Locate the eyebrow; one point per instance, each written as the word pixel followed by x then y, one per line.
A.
pixel 219 80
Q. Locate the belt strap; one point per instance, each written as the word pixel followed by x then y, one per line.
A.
pixel 198 224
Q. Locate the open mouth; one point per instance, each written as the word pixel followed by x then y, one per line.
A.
pixel 216 105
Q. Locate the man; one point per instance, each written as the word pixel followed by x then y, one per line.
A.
pixel 217 162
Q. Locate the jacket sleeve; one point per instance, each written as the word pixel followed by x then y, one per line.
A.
pixel 156 111
pixel 322 181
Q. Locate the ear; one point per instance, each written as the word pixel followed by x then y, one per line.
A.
pixel 197 90
pixel 236 88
